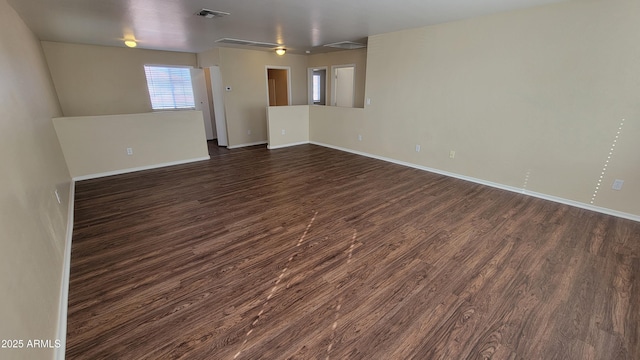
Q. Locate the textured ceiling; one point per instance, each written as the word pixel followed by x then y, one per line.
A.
pixel 299 25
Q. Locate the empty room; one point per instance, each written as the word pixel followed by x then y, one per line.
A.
pixel 320 180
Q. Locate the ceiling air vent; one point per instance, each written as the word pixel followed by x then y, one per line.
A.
pixel 247 43
pixel 210 14
pixel 346 45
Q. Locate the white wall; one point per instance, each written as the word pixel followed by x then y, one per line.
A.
pixel 96 146
pixel 33 226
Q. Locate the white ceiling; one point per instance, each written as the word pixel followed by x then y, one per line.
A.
pixel 299 25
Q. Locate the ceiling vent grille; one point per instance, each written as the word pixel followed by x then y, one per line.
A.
pixel 210 14
pixel 346 45
pixel 247 43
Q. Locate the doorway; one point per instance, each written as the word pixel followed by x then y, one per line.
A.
pixel 343 85
pixel 278 86
pixel 217 89
pixel 317 80
pixel 201 101
pixel 207 78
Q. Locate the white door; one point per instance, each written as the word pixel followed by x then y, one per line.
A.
pixel 343 86
pixel 201 98
pixel 207 78
pixel 218 105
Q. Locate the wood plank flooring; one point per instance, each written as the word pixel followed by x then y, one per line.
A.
pixel 312 253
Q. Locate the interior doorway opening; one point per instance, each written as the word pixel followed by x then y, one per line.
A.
pixel 278 86
pixel 216 92
pixel 317 81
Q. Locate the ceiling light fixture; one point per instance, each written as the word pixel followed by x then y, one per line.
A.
pixel 281 51
pixel 131 43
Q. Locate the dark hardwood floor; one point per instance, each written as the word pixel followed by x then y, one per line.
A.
pixel 312 253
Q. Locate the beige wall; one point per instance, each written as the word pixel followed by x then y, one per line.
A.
pixel 245 105
pixel 531 99
pixel 33 225
pixel 104 80
pixel 209 58
pixel 356 57
pixel 292 120
pixel 340 127
pixel 97 145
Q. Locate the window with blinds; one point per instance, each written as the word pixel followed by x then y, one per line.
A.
pixel 316 88
pixel 169 87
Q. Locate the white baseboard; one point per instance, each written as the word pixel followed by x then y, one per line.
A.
pixel 66 268
pixel 286 145
pixel 248 144
pixel 491 183
pixel 140 168
pixel 578 204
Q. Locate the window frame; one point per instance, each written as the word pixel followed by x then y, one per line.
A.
pixel 319 88
pixel 176 105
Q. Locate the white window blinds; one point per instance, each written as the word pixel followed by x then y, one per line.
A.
pixel 316 88
pixel 169 87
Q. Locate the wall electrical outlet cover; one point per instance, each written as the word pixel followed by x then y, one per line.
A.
pixel 617 184
pixel 129 151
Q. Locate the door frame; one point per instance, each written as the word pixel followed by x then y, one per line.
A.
pixel 201 99
pixel 218 105
pixel 310 83
pixel 266 75
pixel 334 68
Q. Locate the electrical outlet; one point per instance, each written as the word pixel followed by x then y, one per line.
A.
pixel 368 101
pixel 359 137
pixel 617 184
pixel 284 131
pixel 417 148
pixel 248 132
pixel 129 151
pixel 57 196
pixel 452 154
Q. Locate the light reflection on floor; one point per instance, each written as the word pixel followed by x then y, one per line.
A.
pixel 275 286
pixel 339 305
